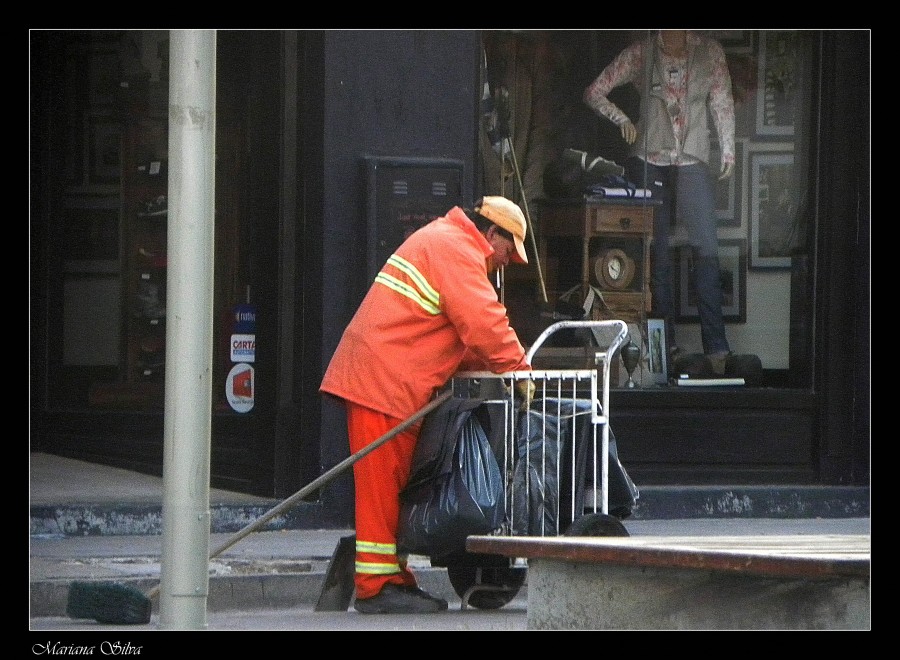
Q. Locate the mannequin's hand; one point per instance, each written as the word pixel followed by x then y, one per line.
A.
pixel 629 132
pixel 727 169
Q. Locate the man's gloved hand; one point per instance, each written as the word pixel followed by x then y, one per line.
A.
pixel 525 392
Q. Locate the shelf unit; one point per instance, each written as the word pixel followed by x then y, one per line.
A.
pixel 145 209
pixel 599 228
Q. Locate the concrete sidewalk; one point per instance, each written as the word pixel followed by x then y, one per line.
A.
pixel 272 580
pixel 275 577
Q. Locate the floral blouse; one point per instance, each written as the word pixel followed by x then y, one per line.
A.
pixel 626 68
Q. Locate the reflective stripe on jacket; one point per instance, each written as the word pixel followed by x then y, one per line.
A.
pixel 431 309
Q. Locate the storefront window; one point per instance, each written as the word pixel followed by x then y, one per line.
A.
pixel 107 242
pixel 107 227
pixel 534 89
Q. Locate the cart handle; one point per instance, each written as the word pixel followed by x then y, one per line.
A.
pixel 620 338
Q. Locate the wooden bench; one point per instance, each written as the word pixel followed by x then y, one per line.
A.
pixel 793 582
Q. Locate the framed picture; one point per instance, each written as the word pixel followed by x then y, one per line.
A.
pixel 95 68
pixel 103 74
pixel 91 231
pixel 657 350
pixel 778 96
pixel 728 192
pixel 104 150
pixel 733 276
pixel 774 214
pixel 733 41
pixel 74 160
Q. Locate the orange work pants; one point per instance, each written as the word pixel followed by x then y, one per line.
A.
pixel 378 479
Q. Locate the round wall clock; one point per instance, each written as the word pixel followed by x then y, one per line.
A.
pixel 614 268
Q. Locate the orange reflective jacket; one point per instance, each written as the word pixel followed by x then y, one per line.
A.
pixel 430 310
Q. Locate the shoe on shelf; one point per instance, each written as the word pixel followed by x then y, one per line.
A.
pixel 747 366
pixel 690 365
pixel 157 206
pixel 421 593
pixel 395 599
pixel 717 362
pixel 147 303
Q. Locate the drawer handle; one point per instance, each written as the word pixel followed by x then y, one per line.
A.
pixel 625 222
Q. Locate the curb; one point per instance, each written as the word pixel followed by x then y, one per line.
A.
pixel 238 592
pixel 667 503
pixel 654 503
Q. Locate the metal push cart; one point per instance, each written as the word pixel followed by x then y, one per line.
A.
pixel 554 458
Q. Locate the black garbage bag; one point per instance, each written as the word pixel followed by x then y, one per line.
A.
pixel 455 487
pixel 554 466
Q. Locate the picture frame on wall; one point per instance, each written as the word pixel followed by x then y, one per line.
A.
pixel 657 351
pixel 778 96
pixel 104 140
pixel 91 232
pixel 733 265
pixel 774 208
pixel 74 167
pixel 99 69
pixel 733 41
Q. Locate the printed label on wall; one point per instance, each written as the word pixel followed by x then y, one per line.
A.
pixel 239 387
pixel 243 348
pixel 244 319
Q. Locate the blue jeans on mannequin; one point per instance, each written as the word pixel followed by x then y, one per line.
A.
pixel 689 191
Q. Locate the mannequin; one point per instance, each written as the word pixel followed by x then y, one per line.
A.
pixel 682 78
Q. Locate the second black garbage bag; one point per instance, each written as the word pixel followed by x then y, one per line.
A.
pixel 555 467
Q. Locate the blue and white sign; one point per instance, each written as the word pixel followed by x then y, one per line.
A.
pixel 243 348
pixel 244 319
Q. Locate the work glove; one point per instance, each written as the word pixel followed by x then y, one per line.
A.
pixel 525 393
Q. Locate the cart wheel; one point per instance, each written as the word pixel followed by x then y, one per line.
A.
pixel 597 524
pixel 491 587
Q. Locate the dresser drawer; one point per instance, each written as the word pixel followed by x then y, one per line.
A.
pixel 628 307
pixel 620 219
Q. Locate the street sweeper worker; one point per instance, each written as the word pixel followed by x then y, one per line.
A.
pixel 432 311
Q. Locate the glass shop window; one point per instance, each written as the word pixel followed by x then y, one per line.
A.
pixel 107 236
pixel 568 167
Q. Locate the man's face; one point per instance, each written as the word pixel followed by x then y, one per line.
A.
pixel 504 248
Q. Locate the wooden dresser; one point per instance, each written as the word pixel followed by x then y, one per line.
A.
pixel 610 240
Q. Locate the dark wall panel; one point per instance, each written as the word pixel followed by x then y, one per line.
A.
pixel 404 94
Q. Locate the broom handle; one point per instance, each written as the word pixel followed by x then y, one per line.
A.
pixel 320 481
pixel 537 255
